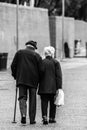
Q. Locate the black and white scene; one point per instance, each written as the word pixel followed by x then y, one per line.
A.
pixel 43 65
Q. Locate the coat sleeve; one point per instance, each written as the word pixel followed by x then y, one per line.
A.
pixel 40 66
pixel 14 66
pixel 58 72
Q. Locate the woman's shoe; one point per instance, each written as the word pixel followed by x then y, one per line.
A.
pixel 32 122
pixel 52 121
pixel 45 122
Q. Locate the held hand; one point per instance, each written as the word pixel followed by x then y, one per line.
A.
pixel 59 98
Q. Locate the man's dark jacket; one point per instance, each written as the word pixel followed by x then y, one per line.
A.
pixel 26 67
pixel 51 79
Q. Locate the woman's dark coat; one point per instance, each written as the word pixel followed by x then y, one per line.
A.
pixel 26 67
pixel 51 78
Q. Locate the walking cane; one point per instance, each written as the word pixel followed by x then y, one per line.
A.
pixel 15 107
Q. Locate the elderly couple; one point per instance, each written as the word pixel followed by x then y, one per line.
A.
pixel 31 74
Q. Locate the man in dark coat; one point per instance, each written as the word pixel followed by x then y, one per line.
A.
pixel 26 71
pixel 50 82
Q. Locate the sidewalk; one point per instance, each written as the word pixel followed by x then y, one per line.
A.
pixel 73 62
pixel 71 116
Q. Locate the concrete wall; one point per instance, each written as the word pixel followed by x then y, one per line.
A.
pixel 81 31
pixel 73 30
pixel 56 34
pixel 33 25
pixel 70 35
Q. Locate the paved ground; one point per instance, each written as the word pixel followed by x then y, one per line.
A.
pixel 71 116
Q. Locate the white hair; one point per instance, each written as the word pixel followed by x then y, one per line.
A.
pixel 49 51
pixel 30 46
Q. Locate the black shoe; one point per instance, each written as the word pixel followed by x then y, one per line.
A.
pixel 45 122
pixel 32 122
pixel 52 121
pixel 23 120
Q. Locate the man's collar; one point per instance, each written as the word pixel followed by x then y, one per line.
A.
pixel 30 47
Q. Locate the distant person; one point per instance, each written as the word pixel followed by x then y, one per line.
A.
pixel 66 50
pixel 26 71
pixel 50 82
pixel 78 45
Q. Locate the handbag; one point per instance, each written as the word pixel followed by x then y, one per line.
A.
pixel 59 98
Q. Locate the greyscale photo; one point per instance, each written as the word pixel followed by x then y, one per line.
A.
pixel 43 65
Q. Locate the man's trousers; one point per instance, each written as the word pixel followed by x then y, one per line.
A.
pixel 24 92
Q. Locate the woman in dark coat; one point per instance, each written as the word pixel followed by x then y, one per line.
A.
pixel 50 82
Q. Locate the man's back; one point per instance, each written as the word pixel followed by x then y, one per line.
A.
pixel 27 67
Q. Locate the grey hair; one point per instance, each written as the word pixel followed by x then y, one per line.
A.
pixel 49 51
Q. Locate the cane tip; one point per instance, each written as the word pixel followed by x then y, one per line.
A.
pixel 14 122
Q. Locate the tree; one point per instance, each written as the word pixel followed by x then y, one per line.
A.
pixel 73 8
pixel 48 4
pixel 83 10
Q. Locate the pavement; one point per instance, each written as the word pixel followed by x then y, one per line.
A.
pixel 73 62
pixel 71 116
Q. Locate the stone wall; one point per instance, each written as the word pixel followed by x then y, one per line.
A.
pixel 33 25
pixel 56 34
pixel 81 31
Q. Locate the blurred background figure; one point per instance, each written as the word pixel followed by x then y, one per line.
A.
pixel 77 46
pixel 66 50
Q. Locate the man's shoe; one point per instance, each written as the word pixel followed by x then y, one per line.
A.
pixel 23 120
pixel 52 121
pixel 32 122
